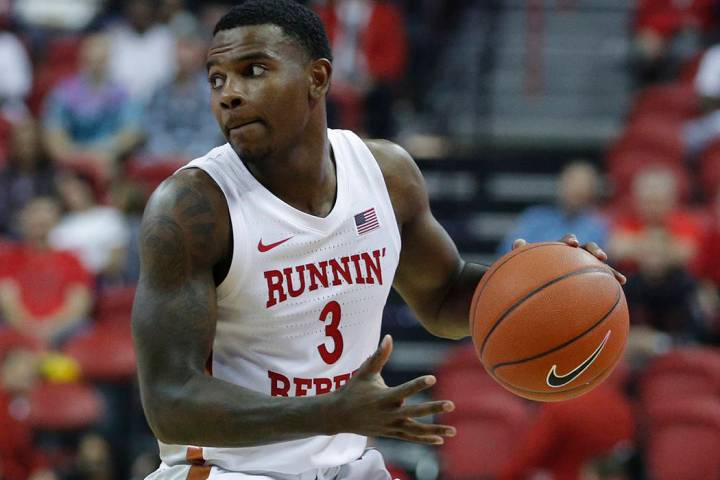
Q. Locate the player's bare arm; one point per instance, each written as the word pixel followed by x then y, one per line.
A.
pixel 432 278
pixel 185 239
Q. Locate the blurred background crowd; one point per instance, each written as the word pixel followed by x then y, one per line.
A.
pixel 529 118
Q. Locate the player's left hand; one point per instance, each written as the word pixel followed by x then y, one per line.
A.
pixel 592 247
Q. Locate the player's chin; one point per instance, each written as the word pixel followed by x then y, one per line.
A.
pixel 251 152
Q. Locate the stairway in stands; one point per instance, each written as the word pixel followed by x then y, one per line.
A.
pixel 560 70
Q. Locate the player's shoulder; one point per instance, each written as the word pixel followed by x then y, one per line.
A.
pixel 190 207
pixel 402 176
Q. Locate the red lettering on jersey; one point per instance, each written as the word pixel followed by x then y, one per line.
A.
pixel 318 272
pixel 275 286
pixel 358 273
pixel 322 385
pixel 295 292
pixel 302 385
pixel 294 280
pixel 341 380
pixel 344 271
pixel 373 265
pixel 279 384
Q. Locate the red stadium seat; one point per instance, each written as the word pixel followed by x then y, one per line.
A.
pixel 106 353
pixel 461 377
pixel 150 172
pixel 5 131
pixel 680 374
pixel 59 62
pixel 684 440
pixel 487 429
pixel 710 170
pixel 673 101
pixel 64 407
pixel 654 136
pixel 114 304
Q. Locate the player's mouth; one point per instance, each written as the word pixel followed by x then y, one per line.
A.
pixel 240 125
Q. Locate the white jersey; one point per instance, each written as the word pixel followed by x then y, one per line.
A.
pixel 301 306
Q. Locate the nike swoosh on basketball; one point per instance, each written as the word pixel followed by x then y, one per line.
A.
pixel 554 380
pixel 266 248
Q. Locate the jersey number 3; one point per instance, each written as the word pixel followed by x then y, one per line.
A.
pixel 331 310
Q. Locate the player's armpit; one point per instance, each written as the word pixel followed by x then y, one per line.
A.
pixel 431 277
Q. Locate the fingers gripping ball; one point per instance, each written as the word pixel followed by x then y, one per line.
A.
pixel 549 321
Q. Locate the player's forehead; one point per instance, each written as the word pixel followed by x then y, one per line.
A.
pixel 268 40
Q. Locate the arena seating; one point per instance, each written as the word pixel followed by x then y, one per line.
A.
pixel 684 440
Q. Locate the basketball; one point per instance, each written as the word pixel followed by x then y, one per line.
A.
pixel 549 321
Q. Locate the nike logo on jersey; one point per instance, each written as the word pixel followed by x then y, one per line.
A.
pixel 554 380
pixel 262 248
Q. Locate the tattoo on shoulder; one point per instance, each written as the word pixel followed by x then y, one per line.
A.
pixel 171 239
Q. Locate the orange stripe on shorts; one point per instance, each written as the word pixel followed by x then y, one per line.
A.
pixel 199 472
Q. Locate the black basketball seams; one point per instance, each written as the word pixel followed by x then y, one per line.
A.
pixel 568 342
pixel 485 281
pixel 520 301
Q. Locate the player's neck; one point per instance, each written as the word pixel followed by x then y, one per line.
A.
pixel 303 176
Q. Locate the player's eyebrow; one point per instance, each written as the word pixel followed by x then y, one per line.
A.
pixel 241 58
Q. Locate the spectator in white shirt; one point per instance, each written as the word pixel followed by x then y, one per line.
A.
pixel 16 78
pixel 142 51
pixel 97 234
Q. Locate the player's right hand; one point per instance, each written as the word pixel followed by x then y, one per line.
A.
pixel 367 406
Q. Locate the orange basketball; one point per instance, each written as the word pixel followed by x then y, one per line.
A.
pixel 549 321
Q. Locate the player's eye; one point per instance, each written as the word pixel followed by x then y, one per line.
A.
pixel 216 82
pixel 255 70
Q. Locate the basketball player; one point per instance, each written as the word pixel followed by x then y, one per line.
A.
pixel 266 265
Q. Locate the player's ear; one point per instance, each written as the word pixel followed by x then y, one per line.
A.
pixel 320 74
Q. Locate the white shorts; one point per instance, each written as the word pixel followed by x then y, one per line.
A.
pixel 370 466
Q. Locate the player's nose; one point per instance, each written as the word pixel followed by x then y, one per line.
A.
pixel 231 96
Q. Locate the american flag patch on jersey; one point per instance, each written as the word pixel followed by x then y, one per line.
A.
pixel 366 221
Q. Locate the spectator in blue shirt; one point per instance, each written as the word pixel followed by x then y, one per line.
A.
pixel 178 122
pixel 578 189
pixel 90 121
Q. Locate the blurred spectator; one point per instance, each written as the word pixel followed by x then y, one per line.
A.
pixel 129 198
pixel 699 133
pixel 655 210
pixel 655 244
pixel 567 435
pixel 142 52
pixel 707 268
pixel 74 15
pixel 92 460
pixel 369 45
pixel 90 121
pixel 97 234
pixel 28 173
pixel 178 121
pixel 19 459
pixel 16 79
pixel 578 190
pixel 44 293
pixel 174 14
pixel 669 31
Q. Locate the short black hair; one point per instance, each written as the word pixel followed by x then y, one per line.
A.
pixel 296 21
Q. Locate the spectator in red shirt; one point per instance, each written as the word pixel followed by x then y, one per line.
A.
pixel 660 24
pixel 707 268
pixel 565 436
pixel 44 293
pixel 370 48
pixel 655 244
